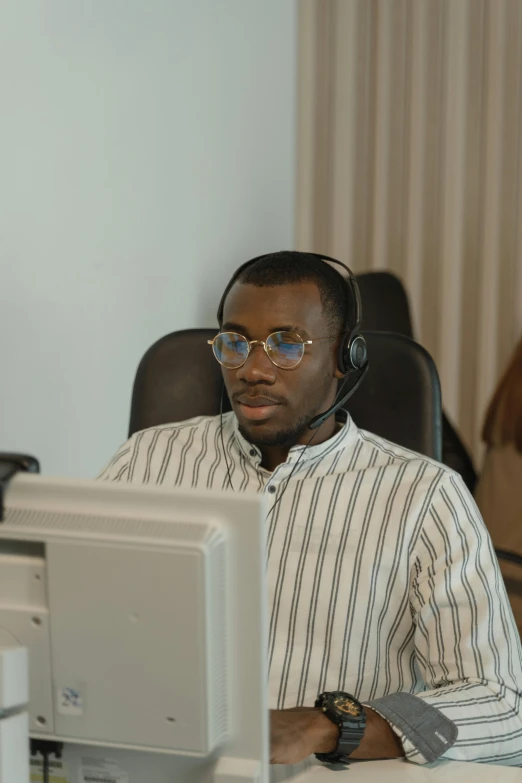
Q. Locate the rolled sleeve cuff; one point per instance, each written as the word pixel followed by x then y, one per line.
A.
pixel 424 731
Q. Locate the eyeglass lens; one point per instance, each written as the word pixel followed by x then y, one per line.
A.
pixel 285 349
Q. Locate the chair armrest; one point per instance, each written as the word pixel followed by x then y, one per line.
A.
pixel 511 557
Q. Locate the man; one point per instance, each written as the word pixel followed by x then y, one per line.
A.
pixel 383 582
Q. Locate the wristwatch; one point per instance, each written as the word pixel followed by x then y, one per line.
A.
pixel 348 714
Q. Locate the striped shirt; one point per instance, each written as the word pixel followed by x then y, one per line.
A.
pixel 382 580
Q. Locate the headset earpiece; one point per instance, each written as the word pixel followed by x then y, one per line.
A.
pixel 355 354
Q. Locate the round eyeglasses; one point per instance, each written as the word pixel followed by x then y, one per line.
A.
pixel 284 349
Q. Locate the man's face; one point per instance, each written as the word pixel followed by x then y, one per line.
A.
pixel 273 405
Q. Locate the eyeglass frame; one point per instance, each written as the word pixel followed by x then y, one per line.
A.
pixel 250 343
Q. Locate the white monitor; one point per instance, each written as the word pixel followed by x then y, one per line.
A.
pixel 143 610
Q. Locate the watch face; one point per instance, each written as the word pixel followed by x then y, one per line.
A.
pixel 346 706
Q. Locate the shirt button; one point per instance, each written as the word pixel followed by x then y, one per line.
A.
pixel 271 489
pixel 253 452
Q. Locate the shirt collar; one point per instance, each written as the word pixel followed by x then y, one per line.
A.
pixel 343 438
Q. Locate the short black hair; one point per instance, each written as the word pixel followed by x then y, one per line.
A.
pixel 290 266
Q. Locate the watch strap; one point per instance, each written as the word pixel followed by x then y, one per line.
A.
pixel 351 732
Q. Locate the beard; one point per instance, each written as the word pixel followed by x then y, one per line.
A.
pixel 284 437
pixel 287 437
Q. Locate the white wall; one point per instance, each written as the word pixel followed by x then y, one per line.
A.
pixel 146 150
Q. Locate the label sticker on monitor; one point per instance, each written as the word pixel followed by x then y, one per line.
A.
pixel 58 770
pixel 101 771
pixel 69 700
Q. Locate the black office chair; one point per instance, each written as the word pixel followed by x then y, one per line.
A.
pixel 385 307
pixel 399 399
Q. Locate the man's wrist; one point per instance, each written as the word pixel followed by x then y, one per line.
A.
pixel 379 741
pixel 326 733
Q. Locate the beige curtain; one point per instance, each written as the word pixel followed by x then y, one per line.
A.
pixel 410 159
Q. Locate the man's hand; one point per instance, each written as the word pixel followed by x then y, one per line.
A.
pixel 297 733
pixel 302 731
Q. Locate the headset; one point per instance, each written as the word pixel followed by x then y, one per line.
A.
pixel 352 356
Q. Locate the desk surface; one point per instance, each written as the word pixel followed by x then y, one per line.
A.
pixel 400 771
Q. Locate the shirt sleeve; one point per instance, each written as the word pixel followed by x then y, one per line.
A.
pixel 467 644
pixel 118 467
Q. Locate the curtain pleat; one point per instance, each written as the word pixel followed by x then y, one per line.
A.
pixel 410 159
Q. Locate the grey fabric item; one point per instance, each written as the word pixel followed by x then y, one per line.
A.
pixel 431 732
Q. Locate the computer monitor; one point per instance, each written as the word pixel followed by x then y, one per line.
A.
pixel 143 610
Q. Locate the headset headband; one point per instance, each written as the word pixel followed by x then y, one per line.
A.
pixel 349 281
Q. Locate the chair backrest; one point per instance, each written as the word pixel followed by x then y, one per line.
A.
pixel 385 307
pixel 178 378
